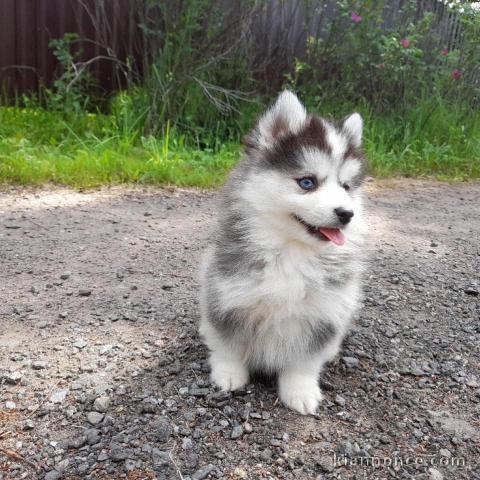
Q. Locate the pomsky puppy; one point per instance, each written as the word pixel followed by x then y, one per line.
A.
pixel 282 277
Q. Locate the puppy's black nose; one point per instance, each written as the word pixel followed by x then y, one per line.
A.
pixel 344 215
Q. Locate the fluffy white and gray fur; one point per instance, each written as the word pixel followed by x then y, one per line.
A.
pixel 277 296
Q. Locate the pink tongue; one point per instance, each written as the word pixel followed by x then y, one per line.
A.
pixel 333 234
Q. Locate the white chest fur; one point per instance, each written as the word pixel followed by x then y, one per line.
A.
pixel 285 300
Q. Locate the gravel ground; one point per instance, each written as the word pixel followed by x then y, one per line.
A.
pixel 103 376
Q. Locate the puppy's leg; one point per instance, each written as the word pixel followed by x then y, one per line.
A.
pixel 228 370
pixel 298 383
pixel 298 386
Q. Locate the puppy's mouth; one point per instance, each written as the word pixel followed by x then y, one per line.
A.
pixel 334 235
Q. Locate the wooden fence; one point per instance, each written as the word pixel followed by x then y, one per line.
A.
pixel 110 32
pixel 107 29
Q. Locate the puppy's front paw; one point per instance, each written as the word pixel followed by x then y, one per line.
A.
pixel 229 376
pixel 300 394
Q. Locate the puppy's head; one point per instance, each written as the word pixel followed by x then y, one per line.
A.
pixel 306 172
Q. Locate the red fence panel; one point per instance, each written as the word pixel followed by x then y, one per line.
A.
pixel 107 29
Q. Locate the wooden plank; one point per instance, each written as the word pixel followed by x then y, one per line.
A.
pixel 49 27
pixel 25 39
pixel 7 46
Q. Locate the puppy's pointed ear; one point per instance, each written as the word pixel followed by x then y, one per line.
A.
pixel 287 115
pixel 353 128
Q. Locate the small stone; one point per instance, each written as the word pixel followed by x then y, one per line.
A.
pixel 84 292
pixel 220 396
pixel 121 390
pixel 198 392
pixel 58 396
pixel 237 432
pixel 248 427
pixel 119 453
pixel 9 405
pixel 417 433
pixel 472 382
pixel 325 463
pixel 76 442
pixel 350 362
pixel 453 425
pixel 434 474
pixel 28 424
pixel 101 404
pixel 65 276
pixel 339 400
pixel 80 343
pixel 102 457
pixel 95 417
pixel 160 458
pixel 92 436
pixel 39 364
pixel 444 452
pixel 13 377
pixel 191 460
pixel 266 455
pixel 190 415
pixel 149 405
pixel 240 473
pixel 52 475
pixel 228 411
pixel 346 448
pixel 187 444
pixel 203 472
pixel 104 349
pixel 161 430
pixel 471 291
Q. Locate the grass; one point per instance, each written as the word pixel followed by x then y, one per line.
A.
pixel 88 150
pixel 37 146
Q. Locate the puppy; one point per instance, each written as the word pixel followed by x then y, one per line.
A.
pixel 281 279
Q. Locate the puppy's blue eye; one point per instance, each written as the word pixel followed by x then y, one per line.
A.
pixel 307 183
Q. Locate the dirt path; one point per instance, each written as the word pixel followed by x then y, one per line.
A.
pixel 102 374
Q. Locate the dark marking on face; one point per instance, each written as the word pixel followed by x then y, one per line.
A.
pixel 315 135
pixel 356 153
pixel 279 127
pixel 285 154
pixel 353 152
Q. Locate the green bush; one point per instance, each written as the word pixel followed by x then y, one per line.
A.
pixel 359 59
pixel 200 93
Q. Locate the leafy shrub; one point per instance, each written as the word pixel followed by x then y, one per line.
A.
pixel 71 89
pixel 359 58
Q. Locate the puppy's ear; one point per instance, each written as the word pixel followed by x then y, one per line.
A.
pixel 353 128
pixel 287 115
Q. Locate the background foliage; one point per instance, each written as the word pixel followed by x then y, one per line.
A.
pixel 205 79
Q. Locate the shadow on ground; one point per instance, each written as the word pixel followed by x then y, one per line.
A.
pixel 104 376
